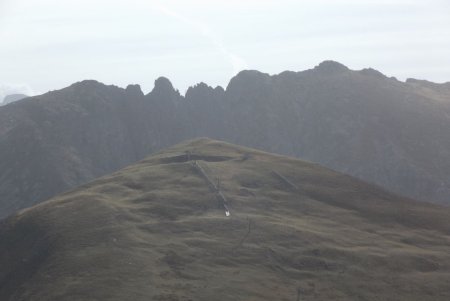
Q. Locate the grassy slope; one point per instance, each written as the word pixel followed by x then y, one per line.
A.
pixel 154 231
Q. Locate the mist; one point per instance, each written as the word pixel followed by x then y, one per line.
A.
pixel 49 44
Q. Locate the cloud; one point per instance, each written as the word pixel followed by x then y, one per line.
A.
pixel 119 42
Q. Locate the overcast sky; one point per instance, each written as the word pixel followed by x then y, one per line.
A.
pixel 49 44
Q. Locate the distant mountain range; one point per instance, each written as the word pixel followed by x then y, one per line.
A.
pixel 158 230
pixel 378 129
pixel 12 98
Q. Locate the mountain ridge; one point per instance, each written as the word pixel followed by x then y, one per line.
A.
pixel 370 126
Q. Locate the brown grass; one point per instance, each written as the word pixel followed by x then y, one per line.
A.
pixel 154 231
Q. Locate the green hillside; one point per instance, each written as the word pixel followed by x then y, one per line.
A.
pixel 157 230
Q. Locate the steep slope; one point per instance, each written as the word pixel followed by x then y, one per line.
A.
pixel 157 230
pixel 59 140
pixel 362 123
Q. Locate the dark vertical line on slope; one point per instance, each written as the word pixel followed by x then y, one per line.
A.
pixel 219 195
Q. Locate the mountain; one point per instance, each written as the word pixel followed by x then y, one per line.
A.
pixel 12 98
pixel 361 123
pixel 157 230
pixel 59 140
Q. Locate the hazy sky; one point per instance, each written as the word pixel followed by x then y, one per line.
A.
pixel 49 44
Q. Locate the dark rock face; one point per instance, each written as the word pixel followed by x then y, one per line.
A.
pixel 362 123
pixel 134 90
